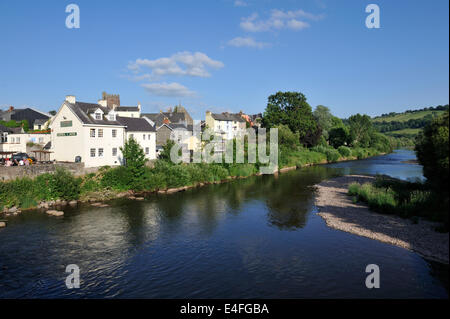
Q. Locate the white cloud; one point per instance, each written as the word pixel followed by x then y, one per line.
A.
pixel 240 3
pixel 168 89
pixel 278 20
pixel 181 64
pixel 247 42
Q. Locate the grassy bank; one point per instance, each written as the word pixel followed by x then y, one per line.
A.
pixel 403 198
pixel 27 192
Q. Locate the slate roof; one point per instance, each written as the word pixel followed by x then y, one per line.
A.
pixel 127 109
pixel 158 118
pixel 227 117
pixel 84 110
pixel 136 124
pixel 40 121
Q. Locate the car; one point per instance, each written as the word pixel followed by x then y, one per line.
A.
pixel 22 156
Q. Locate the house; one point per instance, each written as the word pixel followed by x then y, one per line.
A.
pixel 29 114
pixel 94 133
pixel 15 139
pixel 40 124
pixel 143 132
pixel 227 125
pixel 176 125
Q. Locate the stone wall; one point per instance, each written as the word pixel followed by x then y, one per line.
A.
pixel 8 173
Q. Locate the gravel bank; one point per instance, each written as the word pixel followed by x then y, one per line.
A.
pixel 339 212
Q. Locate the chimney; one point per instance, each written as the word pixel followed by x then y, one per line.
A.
pixel 70 99
pixel 102 103
pixel 11 108
pixel 139 106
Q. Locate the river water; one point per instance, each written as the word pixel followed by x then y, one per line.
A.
pixel 252 238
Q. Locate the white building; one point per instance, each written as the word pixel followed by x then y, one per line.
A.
pixel 16 140
pixel 226 125
pixel 94 133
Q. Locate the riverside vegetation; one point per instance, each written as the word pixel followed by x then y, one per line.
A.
pixel 416 199
pixel 305 137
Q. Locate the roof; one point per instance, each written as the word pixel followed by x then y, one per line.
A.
pixel 227 117
pixel 158 118
pixel 136 124
pixel 83 110
pixel 127 109
pixel 40 121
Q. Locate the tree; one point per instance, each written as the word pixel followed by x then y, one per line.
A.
pixel 286 137
pixel 339 136
pixel 360 129
pixel 291 109
pixel 134 157
pixel 432 151
pixel 53 112
pixel 165 153
pixel 324 118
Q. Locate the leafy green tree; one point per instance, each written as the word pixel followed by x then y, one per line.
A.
pixel 432 151
pixel 53 112
pixel 339 136
pixel 286 137
pixel 324 118
pixel 291 109
pixel 165 153
pixel 360 129
pixel 134 157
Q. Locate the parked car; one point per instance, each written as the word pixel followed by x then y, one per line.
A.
pixel 22 156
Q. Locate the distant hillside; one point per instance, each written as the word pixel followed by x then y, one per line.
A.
pixel 408 123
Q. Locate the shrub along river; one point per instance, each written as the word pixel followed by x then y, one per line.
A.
pixel 251 238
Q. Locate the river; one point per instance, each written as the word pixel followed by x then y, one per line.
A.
pixel 258 237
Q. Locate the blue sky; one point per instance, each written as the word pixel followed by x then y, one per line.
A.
pixel 226 55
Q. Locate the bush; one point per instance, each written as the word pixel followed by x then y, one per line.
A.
pixel 344 151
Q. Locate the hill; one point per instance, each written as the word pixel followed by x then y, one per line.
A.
pixel 408 123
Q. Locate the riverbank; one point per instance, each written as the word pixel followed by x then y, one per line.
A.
pixel 339 212
pixel 90 186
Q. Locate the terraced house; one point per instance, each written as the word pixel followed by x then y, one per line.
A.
pixel 93 133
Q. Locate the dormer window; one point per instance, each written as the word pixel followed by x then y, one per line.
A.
pixel 97 114
pixel 111 116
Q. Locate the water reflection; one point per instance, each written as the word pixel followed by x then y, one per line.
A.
pixel 249 238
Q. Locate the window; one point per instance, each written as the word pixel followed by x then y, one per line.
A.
pixel 17 139
pixel 147 150
pixel 131 135
pixel 100 152
pixel 92 152
pixel 143 136
pixel 149 136
pixel 39 126
pixel 12 139
pixel 114 133
pixel 41 140
pixel 92 132
pixel 114 151
pixel 100 132
pixel 98 116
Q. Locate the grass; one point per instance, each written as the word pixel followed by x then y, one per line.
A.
pixel 402 198
pixel 404 117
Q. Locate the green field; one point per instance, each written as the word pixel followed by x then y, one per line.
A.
pixel 407 132
pixel 403 117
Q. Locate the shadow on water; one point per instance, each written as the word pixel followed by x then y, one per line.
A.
pixel 249 238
